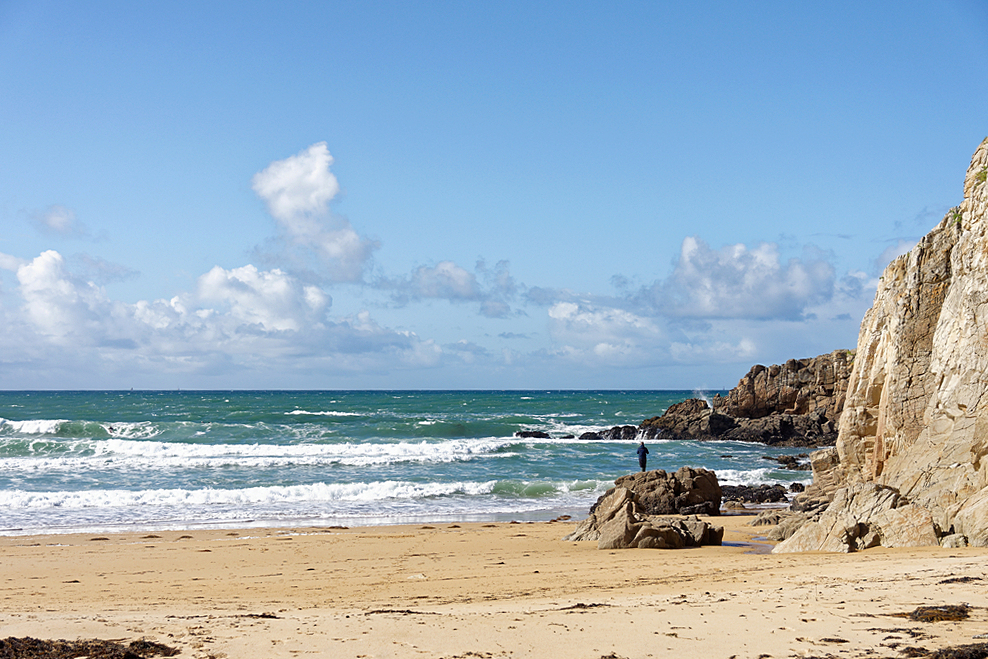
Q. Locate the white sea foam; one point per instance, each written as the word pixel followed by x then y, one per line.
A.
pixel 124 454
pixel 755 476
pixel 140 430
pixel 326 413
pixel 315 492
pixel 31 427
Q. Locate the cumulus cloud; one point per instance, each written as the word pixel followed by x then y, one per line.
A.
pixel 235 320
pixel 738 282
pixel 467 351
pixel 59 221
pixel 271 300
pixel 604 334
pixel 298 186
pixel 60 305
pixel 446 280
pixel 8 262
pixel 297 191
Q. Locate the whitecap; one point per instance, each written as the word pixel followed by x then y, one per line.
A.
pixel 326 413
pixel 32 426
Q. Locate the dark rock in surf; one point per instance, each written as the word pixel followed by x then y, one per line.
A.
pixel 763 493
pixel 620 432
pixel 532 434
pixel 791 462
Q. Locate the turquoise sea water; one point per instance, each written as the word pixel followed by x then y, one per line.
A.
pixel 74 461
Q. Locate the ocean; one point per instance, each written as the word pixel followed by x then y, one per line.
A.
pixel 90 461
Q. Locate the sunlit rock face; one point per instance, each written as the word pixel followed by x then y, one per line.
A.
pixel 915 415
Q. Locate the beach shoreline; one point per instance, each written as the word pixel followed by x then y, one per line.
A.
pixel 480 589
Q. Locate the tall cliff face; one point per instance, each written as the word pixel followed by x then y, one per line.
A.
pixel 916 412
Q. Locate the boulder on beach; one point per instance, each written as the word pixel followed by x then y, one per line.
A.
pixel 619 521
pixel 688 491
pixel 862 516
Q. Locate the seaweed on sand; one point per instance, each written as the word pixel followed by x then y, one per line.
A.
pixel 944 613
pixel 33 648
pixel 972 651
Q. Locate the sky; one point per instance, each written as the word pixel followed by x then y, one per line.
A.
pixel 465 195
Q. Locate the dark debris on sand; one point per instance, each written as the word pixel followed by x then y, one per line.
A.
pixel 960 580
pixel 33 648
pixel 944 613
pixel 972 651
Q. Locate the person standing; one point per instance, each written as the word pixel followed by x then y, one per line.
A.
pixel 642 453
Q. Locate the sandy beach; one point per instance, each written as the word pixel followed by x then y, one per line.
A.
pixel 481 590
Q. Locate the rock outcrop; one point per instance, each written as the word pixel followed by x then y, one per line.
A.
pixel 617 432
pixel 619 521
pixel 915 422
pixel 793 404
pixel 689 491
pixel 861 516
pixel 800 386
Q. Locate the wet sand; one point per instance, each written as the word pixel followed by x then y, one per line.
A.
pixel 481 590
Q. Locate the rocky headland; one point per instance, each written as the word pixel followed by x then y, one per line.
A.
pixel 793 404
pixel 910 465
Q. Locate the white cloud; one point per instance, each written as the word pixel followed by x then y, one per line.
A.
pixel 238 320
pixel 468 351
pixel 60 221
pixel 604 334
pixel 298 186
pixel 57 303
pixel 738 282
pixel 449 281
pixel 713 351
pixel 297 191
pixel 8 262
pixel 272 300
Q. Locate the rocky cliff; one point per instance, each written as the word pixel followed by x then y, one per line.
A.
pixel 793 404
pixel 913 434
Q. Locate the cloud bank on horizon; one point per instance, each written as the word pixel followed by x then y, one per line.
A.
pixel 503 230
pixel 247 319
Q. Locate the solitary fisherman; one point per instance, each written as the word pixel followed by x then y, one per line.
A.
pixel 642 455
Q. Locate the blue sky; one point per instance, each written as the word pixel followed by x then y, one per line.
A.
pixel 465 195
